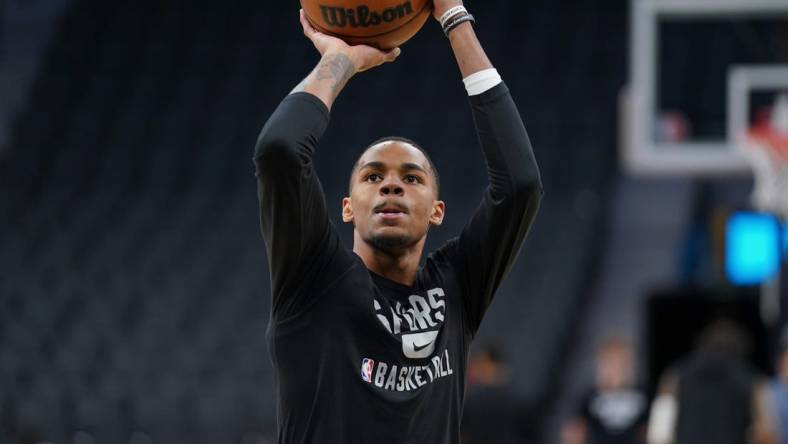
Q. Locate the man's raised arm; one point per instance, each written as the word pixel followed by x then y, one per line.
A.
pixel 491 240
pixel 293 216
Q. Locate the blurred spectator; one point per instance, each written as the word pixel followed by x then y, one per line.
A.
pixel 714 395
pixel 778 389
pixel 673 126
pixel 615 410
pixel 493 413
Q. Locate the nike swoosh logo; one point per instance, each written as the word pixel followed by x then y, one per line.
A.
pixel 422 347
pixel 419 345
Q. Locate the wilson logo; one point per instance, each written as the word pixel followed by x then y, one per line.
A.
pixel 362 16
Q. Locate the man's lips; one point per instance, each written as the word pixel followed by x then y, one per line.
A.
pixel 391 216
pixel 390 211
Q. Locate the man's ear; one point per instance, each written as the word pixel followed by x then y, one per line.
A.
pixel 347 210
pixel 438 211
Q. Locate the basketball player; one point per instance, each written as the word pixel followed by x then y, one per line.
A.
pixel 713 394
pixel 367 346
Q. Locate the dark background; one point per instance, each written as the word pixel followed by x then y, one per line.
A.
pixel 134 291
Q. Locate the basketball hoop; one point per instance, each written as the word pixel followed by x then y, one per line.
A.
pixel 766 148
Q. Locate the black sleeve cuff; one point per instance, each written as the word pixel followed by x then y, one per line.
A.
pixel 491 95
pixel 311 99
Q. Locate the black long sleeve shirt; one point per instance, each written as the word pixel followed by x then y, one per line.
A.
pixel 359 358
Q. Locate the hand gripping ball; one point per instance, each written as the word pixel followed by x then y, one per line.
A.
pixel 384 24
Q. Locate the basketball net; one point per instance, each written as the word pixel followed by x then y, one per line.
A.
pixel 766 148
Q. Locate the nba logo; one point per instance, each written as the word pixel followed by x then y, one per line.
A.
pixel 366 369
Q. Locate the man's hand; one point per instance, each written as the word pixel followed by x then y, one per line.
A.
pixel 363 57
pixel 338 63
pixel 442 6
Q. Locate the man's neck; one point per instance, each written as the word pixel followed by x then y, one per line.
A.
pixel 401 267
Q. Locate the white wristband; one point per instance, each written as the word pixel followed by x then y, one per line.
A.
pixel 482 81
pixel 451 13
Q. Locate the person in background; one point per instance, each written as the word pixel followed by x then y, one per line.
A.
pixel 713 396
pixel 615 410
pixel 493 413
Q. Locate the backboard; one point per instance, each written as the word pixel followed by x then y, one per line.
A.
pixel 697 68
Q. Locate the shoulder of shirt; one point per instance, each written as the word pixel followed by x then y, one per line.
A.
pixel 446 253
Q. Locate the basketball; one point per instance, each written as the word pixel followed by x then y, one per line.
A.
pixel 384 24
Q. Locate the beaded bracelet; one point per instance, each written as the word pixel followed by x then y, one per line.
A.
pixel 451 13
pixel 455 22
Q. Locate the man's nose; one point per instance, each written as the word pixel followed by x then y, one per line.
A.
pixel 391 187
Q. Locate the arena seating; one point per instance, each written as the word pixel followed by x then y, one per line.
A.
pixel 134 291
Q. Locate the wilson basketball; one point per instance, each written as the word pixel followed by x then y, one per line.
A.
pixel 384 24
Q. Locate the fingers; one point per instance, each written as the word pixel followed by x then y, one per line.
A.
pixel 309 31
pixel 376 60
pixel 392 55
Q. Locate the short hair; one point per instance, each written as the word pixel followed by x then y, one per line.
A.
pixel 433 170
pixel 614 341
pixel 725 335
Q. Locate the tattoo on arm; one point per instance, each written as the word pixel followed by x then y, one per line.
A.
pixel 337 68
pixel 328 78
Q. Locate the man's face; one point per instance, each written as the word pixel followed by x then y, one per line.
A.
pixel 614 367
pixel 394 197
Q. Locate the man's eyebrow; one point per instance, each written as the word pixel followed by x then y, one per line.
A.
pixel 377 165
pixel 374 164
pixel 413 166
